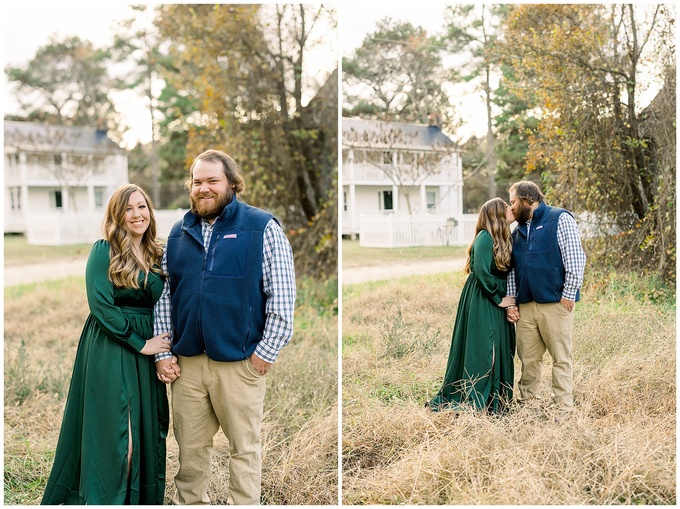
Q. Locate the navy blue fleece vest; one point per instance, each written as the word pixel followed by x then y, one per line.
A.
pixel 218 302
pixel 539 268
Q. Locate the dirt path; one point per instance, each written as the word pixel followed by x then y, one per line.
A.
pixel 36 272
pixel 377 272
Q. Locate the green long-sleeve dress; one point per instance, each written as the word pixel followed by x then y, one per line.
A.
pixel 480 369
pixel 114 391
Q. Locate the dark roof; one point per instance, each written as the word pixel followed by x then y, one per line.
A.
pixel 43 137
pixel 379 133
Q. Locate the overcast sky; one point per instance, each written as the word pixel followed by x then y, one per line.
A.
pixel 27 26
pixel 360 18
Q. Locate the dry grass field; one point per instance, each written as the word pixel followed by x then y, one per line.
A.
pixel 618 447
pixel 300 431
pixel 353 255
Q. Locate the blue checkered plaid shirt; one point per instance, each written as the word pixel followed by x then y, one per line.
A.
pixel 573 257
pixel 278 272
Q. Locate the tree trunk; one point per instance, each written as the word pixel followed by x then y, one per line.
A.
pixel 490 141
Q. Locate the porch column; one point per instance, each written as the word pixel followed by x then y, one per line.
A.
pixel 423 198
pixel 65 201
pixel 90 197
pixel 23 200
pixel 352 205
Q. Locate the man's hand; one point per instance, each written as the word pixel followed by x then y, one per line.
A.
pixel 262 367
pixel 512 313
pixel 567 304
pixel 167 370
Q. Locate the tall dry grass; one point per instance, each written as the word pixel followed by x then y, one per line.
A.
pixel 618 447
pixel 300 428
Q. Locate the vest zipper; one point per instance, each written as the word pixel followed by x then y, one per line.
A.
pixel 200 293
pixel 212 253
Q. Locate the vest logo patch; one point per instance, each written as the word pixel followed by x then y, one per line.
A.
pixel 229 236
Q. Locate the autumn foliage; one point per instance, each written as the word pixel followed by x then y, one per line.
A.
pixel 598 150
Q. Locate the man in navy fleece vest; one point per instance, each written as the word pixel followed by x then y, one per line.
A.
pixel 229 300
pixel 548 266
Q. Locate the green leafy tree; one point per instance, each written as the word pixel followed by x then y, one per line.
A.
pixel 514 123
pixel 397 74
pixel 243 68
pixel 66 83
pixel 138 46
pixel 471 33
pixel 475 182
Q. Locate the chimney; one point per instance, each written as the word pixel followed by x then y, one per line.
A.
pixel 435 120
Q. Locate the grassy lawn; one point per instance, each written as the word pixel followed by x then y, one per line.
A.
pixel 354 255
pixel 18 251
pixel 618 447
pixel 300 427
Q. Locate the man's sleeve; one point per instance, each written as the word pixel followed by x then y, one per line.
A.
pixel 573 256
pixel 279 286
pixel 512 284
pixel 162 321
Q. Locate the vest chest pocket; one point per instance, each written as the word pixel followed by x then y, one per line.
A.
pixel 229 254
pixel 541 238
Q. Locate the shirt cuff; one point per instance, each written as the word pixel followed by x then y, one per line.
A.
pixel 161 356
pixel 569 294
pixel 266 353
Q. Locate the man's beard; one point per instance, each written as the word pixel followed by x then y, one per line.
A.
pixel 524 213
pixel 210 212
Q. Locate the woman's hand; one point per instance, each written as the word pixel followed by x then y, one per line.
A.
pixel 168 370
pixel 157 344
pixel 507 302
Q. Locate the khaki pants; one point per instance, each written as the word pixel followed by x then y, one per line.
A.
pixel 541 327
pixel 207 395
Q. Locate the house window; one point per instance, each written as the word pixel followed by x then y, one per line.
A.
pixel 386 200
pixel 344 201
pixel 57 159
pixel 57 200
pixel 387 157
pixel 98 198
pixel 431 200
pixel 15 197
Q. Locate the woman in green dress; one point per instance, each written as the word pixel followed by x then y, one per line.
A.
pixel 111 447
pixel 480 369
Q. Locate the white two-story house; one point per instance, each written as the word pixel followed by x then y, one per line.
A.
pixel 395 172
pixel 58 180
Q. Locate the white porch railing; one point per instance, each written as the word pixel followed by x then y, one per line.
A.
pixel 57 229
pixel 417 230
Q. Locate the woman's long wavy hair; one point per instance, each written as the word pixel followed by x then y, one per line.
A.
pixel 492 218
pixel 124 267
